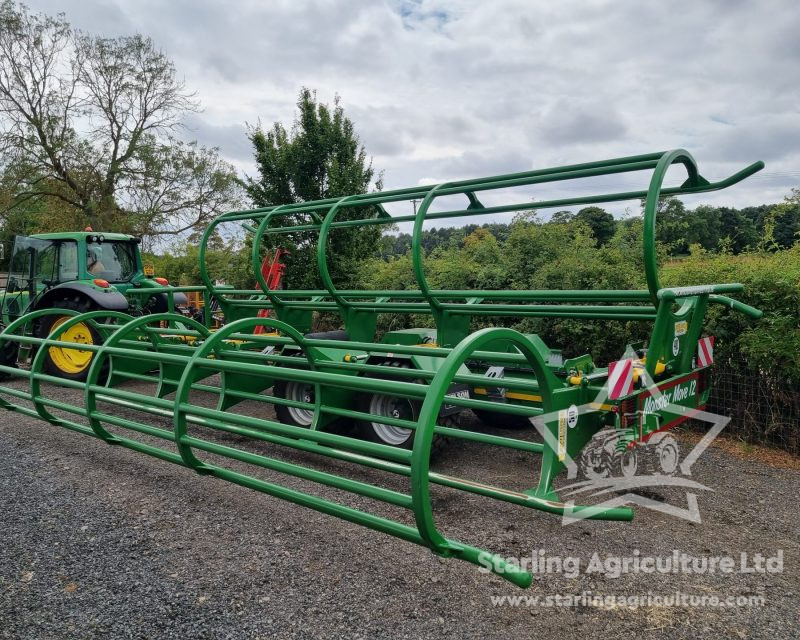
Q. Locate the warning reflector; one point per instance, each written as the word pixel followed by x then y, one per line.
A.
pixel 705 351
pixel 620 379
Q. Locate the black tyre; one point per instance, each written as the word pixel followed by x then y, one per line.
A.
pixel 9 351
pixel 299 392
pixel 396 407
pixel 303 392
pixel 500 420
pixel 65 362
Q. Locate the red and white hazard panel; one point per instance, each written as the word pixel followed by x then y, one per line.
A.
pixel 620 379
pixel 705 351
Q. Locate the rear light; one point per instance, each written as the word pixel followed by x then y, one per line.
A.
pixel 103 284
pixel 162 281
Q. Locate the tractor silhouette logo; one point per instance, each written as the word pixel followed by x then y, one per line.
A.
pixel 623 473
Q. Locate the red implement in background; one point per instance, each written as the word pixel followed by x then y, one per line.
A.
pixel 272 269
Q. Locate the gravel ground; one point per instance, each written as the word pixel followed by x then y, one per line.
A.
pixel 100 541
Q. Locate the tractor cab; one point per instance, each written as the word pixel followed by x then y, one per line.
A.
pixel 45 261
pixel 36 264
pixel 101 270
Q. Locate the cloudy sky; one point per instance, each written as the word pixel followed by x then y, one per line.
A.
pixel 444 89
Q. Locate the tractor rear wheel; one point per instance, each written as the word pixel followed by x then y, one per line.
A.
pixel 65 362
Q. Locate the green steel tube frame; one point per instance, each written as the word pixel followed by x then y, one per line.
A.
pixel 214 356
pixel 182 368
pixel 323 215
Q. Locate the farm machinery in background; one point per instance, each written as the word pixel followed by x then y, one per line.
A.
pixel 79 272
pixel 404 391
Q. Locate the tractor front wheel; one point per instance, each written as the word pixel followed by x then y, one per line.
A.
pixel 66 362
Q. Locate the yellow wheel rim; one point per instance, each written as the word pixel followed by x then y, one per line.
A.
pixel 71 361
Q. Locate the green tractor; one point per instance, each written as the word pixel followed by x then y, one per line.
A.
pixel 82 271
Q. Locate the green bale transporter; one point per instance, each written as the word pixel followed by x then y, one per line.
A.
pixel 290 389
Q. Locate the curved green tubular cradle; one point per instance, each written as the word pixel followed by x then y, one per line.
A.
pixel 678 156
pixel 255 256
pixel 420 457
pixel 202 353
pixel 10 331
pixel 322 249
pixel 201 256
pixel 38 360
pixel 416 245
pixel 95 370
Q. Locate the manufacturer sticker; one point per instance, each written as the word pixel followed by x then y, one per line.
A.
pixel 681 327
pixel 562 435
pixel 676 346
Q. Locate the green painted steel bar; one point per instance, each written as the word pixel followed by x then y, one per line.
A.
pixel 538 205
pixel 673 293
pixel 485 438
pixel 415 192
pixel 321 437
pixel 298 471
pixel 132 425
pixel 608 295
pixel 741 307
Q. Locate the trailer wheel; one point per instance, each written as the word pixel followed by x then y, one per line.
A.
pixel 396 407
pixel 66 362
pixel 299 392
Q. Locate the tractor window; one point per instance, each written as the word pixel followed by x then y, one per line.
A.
pixel 112 261
pixel 68 261
pixel 57 262
pixel 46 261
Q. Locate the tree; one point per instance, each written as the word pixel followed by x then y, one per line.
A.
pixel 671 225
pixel 704 227
pixel 737 232
pixel 600 221
pixel 320 157
pixel 782 223
pixel 91 122
pixel 562 217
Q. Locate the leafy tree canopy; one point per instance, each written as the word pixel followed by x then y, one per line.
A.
pixel 89 123
pixel 320 157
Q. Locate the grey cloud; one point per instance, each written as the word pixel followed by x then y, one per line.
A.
pixel 565 123
pixel 231 139
pixel 453 88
